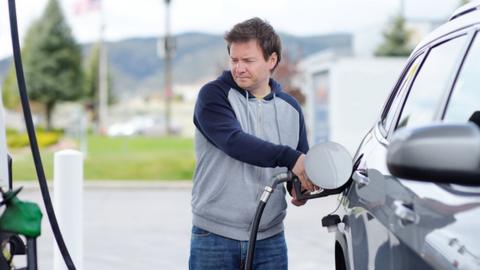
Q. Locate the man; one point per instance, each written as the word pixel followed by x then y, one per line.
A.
pixel 247 131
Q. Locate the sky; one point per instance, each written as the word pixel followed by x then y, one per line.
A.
pixel 142 18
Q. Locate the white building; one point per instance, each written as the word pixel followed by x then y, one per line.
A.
pixel 345 94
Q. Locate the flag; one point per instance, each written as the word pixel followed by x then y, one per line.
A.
pixel 84 6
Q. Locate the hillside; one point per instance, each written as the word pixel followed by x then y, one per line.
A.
pixel 137 69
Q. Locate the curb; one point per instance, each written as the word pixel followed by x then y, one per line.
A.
pixel 116 184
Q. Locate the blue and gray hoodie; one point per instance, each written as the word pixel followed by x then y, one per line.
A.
pixel 241 142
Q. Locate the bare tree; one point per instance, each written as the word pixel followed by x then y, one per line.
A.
pixel 284 74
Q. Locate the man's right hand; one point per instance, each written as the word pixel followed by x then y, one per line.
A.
pixel 299 171
pixel 296 201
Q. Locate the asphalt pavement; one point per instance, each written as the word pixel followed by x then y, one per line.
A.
pixel 136 225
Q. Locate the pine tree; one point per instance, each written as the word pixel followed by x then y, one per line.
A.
pixel 53 61
pixel 396 39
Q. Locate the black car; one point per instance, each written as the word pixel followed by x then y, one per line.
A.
pixel 413 201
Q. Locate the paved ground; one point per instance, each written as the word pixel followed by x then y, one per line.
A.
pixel 147 226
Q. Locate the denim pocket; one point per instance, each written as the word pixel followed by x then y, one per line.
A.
pixel 199 232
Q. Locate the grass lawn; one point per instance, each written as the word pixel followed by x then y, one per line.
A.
pixel 121 158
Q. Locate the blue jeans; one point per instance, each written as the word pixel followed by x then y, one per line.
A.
pixel 209 251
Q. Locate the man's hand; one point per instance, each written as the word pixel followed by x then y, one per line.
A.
pixel 296 201
pixel 299 171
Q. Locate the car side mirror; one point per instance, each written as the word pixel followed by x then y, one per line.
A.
pixel 328 165
pixel 445 153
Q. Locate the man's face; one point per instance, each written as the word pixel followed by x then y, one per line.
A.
pixel 249 68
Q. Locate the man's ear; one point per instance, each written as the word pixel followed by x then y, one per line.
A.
pixel 272 60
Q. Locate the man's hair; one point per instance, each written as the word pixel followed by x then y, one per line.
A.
pixel 259 30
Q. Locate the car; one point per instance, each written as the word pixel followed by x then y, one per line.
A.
pixel 413 200
pixel 142 125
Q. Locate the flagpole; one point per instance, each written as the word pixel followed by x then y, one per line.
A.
pixel 402 8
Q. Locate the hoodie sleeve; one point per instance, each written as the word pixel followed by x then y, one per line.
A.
pixel 215 119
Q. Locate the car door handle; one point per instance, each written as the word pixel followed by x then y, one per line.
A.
pixel 405 213
pixel 360 177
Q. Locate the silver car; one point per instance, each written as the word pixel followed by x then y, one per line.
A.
pixel 414 198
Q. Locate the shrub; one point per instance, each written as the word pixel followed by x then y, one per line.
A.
pixel 44 138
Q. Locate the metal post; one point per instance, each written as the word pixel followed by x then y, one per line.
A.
pixel 168 69
pixel 10 172
pixel 102 80
pixel 31 254
pixel 68 204
pixel 4 177
pixel 402 8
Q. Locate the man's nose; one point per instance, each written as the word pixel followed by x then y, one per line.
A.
pixel 240 67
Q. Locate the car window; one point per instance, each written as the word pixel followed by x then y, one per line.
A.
pixel 388 119
pixel 430 83
pixel 465 99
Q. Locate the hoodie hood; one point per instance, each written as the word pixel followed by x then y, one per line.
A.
pixel 227 78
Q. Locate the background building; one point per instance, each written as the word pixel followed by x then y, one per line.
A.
pixel 345 93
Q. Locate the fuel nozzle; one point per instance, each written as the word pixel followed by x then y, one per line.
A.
pixel 303 194
pixel 20 217
pixel 279 178
pixel 319 193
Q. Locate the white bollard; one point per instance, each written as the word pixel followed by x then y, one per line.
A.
pixel 68 205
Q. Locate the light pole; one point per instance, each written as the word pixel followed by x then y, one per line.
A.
pixel 168 69
pixel 102 79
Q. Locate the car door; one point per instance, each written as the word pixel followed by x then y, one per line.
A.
pixel 366 220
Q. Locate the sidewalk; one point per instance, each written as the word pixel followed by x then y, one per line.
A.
pixel 146 225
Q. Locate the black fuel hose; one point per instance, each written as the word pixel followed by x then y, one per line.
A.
pixel 281 178
pixel 253 235
pixel 32 137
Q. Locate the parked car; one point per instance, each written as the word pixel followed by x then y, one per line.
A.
pixel 142 125
pixel 413 201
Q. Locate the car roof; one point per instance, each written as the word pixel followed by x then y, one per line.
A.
pixel 465 16
pixel 469 7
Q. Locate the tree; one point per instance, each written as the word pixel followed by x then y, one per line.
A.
pixel 53 61
pixel 286 70
pixel 284 74
pixel 10 95
pixel 92 82
pixel 396 39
